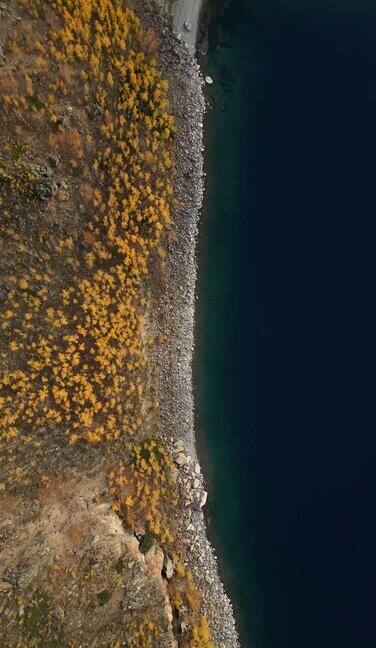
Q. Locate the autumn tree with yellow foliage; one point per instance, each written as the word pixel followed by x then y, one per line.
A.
pixel 87 97
pixel 84 372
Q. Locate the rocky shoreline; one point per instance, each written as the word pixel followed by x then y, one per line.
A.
pixel 173 317
pixel 69 562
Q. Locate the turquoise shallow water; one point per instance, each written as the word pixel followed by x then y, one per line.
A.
pixel 285 377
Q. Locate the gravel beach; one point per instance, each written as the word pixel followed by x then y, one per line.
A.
pixel 173 317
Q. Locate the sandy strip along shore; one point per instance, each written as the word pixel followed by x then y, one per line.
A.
pixel 187 12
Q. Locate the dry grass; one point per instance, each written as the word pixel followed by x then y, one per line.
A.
pixel 72 342
pixel 86 202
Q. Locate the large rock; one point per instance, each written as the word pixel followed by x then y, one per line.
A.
pixel 181 459
pixel 179 446
pixel 203 498
pixel 154 559
pixel 168 568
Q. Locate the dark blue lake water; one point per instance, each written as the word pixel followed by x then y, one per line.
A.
pixel 286 376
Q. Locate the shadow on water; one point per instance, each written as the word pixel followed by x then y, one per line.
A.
pixel 285 358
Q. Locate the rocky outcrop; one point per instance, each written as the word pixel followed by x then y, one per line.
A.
pixel 69 546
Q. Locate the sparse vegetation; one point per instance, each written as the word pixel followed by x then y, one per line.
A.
pixel 103 597
pixel 144 489
pixel 86 201
pixel 86 349
pixel 146 542
pixel 143 633
pixel 200 635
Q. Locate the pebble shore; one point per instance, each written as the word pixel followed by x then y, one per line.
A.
pixel 173 317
